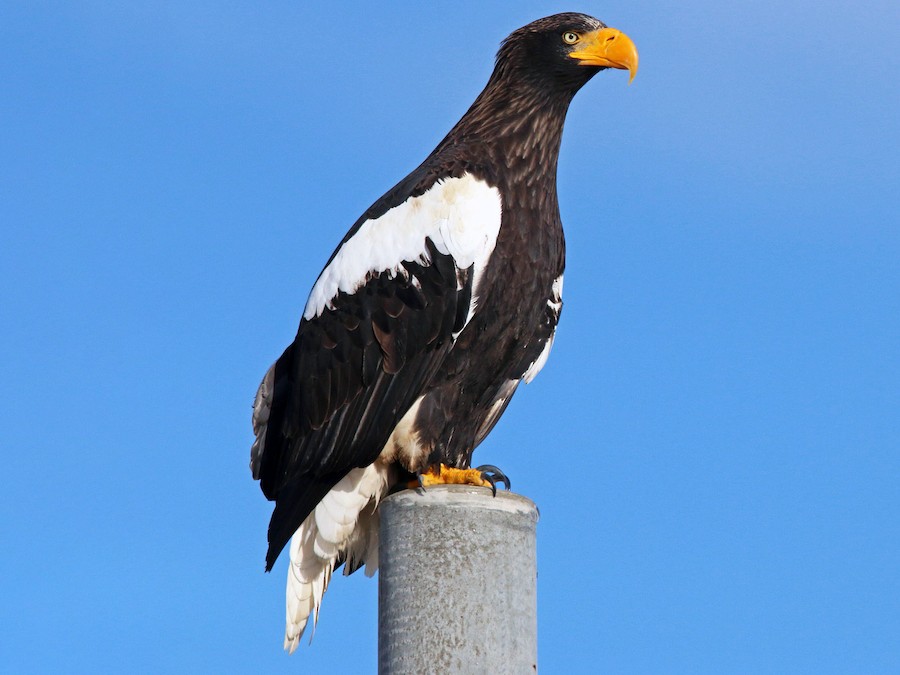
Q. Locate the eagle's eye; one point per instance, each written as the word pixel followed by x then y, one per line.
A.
pixel 570 38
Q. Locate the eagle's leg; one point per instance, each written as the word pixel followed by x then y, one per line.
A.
pixel 486 475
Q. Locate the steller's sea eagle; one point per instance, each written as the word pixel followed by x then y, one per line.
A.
pixel 441 299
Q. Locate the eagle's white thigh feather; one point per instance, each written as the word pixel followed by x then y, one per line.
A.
pixel 555 305
pixel 340 524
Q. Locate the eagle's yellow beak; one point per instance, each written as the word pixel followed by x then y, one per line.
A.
pixel 609 48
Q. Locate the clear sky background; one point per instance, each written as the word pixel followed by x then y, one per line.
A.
pixel 714 444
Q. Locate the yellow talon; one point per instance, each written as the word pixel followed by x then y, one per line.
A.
pixel 447 475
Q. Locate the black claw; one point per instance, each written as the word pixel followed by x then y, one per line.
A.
pixel 493 475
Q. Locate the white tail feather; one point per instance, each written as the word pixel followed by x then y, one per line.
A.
pixel 340 525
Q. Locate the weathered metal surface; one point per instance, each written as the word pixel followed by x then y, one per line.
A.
pixel 457 590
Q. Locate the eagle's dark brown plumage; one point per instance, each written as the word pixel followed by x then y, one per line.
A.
pixel 438 302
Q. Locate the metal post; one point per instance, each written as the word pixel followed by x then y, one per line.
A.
pixel 457 582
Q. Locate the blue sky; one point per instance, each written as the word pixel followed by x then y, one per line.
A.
pixel 714 444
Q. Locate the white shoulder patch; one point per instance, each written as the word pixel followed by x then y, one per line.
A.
pixel 460 215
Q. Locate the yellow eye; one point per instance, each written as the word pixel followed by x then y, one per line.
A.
pixel 570 38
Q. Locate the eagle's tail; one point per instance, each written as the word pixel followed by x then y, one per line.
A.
pixel 343 528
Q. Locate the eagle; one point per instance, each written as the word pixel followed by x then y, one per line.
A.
pixel 437 304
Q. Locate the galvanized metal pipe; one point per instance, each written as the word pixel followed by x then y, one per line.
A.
pixel 457 582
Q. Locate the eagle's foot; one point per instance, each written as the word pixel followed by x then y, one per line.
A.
pixel 486 475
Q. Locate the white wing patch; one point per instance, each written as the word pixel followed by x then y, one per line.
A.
pixel 555 304
pixel 460 215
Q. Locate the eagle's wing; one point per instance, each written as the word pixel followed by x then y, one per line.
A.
pixel 379 322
